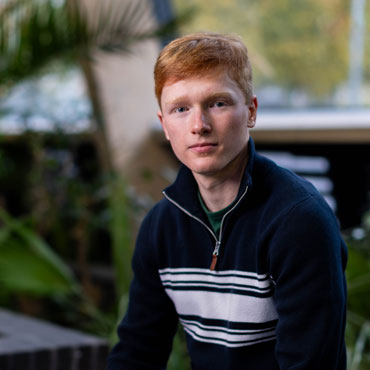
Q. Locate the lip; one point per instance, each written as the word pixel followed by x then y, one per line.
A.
pixel 203 147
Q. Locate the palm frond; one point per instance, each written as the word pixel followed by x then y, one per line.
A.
pixel 34 32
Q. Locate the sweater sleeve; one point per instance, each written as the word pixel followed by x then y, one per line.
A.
pixel 307 260
pixel 146 332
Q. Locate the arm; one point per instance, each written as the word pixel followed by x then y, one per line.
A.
pixel 307 261
pixel 147 330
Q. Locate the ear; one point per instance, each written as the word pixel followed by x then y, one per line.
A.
pixel 252 110
pixel 161 120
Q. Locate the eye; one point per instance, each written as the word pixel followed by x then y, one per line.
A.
pixel 218 104
pixel 180 110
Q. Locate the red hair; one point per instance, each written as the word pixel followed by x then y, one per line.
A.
pixel 200 53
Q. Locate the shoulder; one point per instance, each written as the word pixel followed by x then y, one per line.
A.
pixel 272 175
pixel 158 221
pixel 282 189
pixel 295 218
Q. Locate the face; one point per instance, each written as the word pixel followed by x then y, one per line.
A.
pixel 207 121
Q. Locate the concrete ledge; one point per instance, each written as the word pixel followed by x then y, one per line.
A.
pixel 31 344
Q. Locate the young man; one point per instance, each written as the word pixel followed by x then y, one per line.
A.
pixel 245 254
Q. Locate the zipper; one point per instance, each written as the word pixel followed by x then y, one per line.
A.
pixel 216 251
pixel 215 256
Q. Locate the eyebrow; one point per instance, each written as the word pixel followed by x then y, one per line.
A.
pixel 215 95
pixel 220 95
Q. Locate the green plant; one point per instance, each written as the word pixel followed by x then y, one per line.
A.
pixel 358 281
pixel 30 268
pixel 121 237
pixel 28 264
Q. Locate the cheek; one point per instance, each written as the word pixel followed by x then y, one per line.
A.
pixel 177 143
pixel 173 134
pixel 237 130
pixel 169 131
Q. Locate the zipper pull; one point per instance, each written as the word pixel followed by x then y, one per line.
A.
pixel 214 256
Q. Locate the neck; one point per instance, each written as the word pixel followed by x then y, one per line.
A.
pixel 218 191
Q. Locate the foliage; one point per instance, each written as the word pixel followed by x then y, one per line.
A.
pixel 310 50
pixel 35 32
pixel 179 359
pixel 121 237
pixel 29 268
pixel 358 280
pixel 301 45
pixel 65 210
pixel 27 264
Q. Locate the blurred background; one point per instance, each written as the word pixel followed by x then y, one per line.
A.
pixel 82 156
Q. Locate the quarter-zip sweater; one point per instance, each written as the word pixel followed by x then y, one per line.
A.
pixel 267 293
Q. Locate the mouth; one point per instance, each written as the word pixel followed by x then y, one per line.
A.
pixel 203 147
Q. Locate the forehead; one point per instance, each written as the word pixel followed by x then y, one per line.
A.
pixel 191 72
pixel 212 83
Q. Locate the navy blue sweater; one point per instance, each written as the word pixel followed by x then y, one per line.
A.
pixel 276 299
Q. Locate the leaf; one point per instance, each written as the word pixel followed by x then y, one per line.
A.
pixel 121 238
pixel 23 271
pixel 31 240
pixel 32 244
pixel 38 246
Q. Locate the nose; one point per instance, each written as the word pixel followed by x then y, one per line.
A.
pixel 200 122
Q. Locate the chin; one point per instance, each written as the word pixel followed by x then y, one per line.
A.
pixel 205 169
